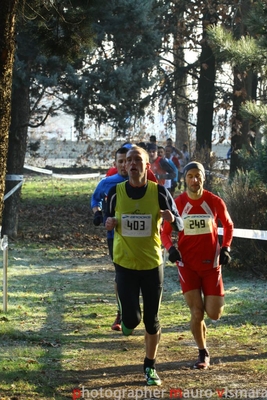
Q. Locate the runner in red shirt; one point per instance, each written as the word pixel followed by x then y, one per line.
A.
pixel 199 256
pixel 160 167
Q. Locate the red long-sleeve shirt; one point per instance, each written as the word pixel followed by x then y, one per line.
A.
pixel 198 243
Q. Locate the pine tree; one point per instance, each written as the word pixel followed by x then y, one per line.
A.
pixel 53 39
pixel 245 49
pixel 119 78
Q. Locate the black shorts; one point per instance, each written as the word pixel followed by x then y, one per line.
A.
pixel 130 283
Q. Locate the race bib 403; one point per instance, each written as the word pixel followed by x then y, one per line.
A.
pixel 137 225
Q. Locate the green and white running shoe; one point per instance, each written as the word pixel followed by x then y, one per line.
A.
pixel 152 378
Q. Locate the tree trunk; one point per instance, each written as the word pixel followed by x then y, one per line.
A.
pixel 206 91
pixel 16 156
pixel 181 102
pixel 7 50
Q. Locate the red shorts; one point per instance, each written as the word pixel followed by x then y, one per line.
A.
pixel 208 281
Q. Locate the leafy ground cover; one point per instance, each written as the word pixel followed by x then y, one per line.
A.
pixel 56 340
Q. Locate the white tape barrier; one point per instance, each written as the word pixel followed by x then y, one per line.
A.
pixel 37 169
pixel 247 233
pixel 63 176
pixel 241 233
pixel 77 176
pixel 12 177
pixel 7 195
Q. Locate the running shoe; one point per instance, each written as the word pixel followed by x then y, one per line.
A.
pixel 152 378
pixel 116 326
pixel 203 361
pixel 126 331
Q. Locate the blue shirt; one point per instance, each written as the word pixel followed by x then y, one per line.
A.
pixel 101 191
pixel 174 168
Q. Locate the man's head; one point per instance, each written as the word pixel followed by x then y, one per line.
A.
pixel 137 163
pixel 168 151
pixel 169 142
pixel 194 165
pixel 142 144
pixel 161 151
pixel 153 139
pixel 194 176
pixel 153 152
pixel 120 161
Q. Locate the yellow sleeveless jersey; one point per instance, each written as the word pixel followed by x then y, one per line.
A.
pixel 137 243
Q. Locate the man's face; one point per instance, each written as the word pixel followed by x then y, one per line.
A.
pixel 168 152
pixel 136 163
pixel 161 152
pixel 194 180
pixel 168 142
pixel 153 154
pixel 120 163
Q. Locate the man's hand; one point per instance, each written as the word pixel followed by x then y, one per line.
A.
pixel 225 257
pixel 98 218
pixel 167 215
pixel 110 223
pixel 174 254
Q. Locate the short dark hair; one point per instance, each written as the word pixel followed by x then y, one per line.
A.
pixel 121 150
pixel 153 138
pixel 141 144
pixel 152 146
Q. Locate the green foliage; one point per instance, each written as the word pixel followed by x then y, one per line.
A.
pixel 59 28
pixel 92 57
pixel 248 54
pixel 245 197
pixel 256 21
pixel 257 113
pixel 244 52
pixel 128 41
pixel 53 40
pixel 255 162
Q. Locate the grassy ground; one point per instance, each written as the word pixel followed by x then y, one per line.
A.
pixel 56 341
